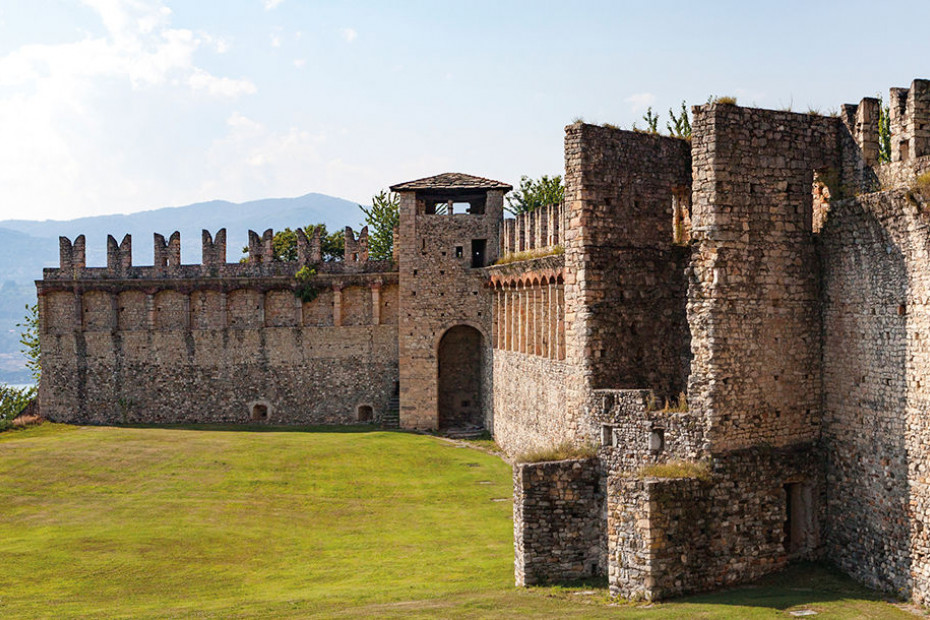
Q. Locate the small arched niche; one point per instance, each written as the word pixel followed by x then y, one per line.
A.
pixel 259 411
pixel 366 414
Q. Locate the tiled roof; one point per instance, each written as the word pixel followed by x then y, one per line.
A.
pixel 451 180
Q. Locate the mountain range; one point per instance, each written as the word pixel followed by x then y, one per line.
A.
pixel 26 246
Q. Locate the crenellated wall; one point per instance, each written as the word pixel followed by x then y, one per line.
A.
pixel 217 342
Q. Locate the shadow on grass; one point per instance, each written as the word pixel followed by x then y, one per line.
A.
pixel 263 428
pixel 802 584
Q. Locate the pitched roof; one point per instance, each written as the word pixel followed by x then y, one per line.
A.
pixel 451 180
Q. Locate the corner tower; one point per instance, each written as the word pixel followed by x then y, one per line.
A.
pixel 449 231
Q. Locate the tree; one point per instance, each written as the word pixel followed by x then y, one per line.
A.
pixel 680 126
pixel 29 339
pixel 382 218
pixel 534 194
pixel 884 131
pixel 284 244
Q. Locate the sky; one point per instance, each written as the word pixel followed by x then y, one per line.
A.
pixel 117 106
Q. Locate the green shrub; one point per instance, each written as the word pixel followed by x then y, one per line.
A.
pixel 306 289
pixel 677 469
pixel 12 402
pixel 560 452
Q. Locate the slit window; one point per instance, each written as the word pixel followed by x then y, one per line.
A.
pixel 478 252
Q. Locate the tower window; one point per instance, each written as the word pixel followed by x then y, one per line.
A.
pixel 478 251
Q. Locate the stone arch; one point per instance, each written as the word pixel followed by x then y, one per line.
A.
pixel 459 368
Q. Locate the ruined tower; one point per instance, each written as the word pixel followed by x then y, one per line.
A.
pixel 449 231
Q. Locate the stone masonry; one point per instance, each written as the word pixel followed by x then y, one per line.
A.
pixel 736 324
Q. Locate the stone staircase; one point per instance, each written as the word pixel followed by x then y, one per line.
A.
pixel 391 416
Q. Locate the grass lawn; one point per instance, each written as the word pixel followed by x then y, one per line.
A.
pixel 232 522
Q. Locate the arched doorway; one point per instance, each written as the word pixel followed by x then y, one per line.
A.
pixel 460 378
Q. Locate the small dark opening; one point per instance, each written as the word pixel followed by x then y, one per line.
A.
pixel 365 413
pixel 799 527
pixel 478 249
pixel 259 412
pixel 459 251
pixel 657 440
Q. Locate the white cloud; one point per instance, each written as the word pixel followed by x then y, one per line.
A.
pixel 66 113
pixel 349 34
pixel 220 87
pixel 275 41
pixel 300 63
pixel 271 4
pixel 640 102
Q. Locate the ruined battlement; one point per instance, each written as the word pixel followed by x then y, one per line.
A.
pixel 167 259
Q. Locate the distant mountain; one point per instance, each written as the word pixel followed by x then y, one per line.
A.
pixel 27 246
pixel 190 220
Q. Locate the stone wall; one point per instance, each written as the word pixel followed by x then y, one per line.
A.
pixel 625 288
pixel 637 430
pixel 753 302
pixel 558 521
pixel 215 342
pixel 876 290
pixel 530 375
pixel 668 537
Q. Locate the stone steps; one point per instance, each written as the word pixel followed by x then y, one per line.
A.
pixel 391 416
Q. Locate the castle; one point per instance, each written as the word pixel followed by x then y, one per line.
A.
pixel 771 269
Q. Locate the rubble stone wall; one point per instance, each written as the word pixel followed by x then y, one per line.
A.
pixel 668 537
pixel 753 302
pixel 625 287
pixel 140 349
pixel 558 521
pixel 876 321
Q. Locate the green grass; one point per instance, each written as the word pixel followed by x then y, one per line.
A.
pixel 233 523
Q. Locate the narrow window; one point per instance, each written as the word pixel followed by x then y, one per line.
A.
pixel 478 248
pixel 799 525
pixel 459 251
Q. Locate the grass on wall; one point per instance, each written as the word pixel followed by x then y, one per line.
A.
pixel 559 452
pixel 677 469
pixel 514 257
pixel 239 522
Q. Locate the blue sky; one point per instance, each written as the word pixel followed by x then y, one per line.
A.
pixel 111 106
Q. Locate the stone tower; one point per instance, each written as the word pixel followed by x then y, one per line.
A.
pixel 449 231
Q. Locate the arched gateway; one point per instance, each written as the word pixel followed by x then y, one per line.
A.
pixel 459 358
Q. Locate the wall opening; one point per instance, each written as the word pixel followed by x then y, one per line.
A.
pixel 657 440
pixel 365 413
pixel 799 534
pixel 259 412
pixel 459 402
pixel 478 252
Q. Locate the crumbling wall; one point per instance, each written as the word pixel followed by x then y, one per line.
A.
pixel 668 536
pixel 205 343
pixel 625 287
pixel 753 302
pixel 558 521
pixel 876 290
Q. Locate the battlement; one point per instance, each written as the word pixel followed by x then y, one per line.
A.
pixel 167 258
pixel 538 229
